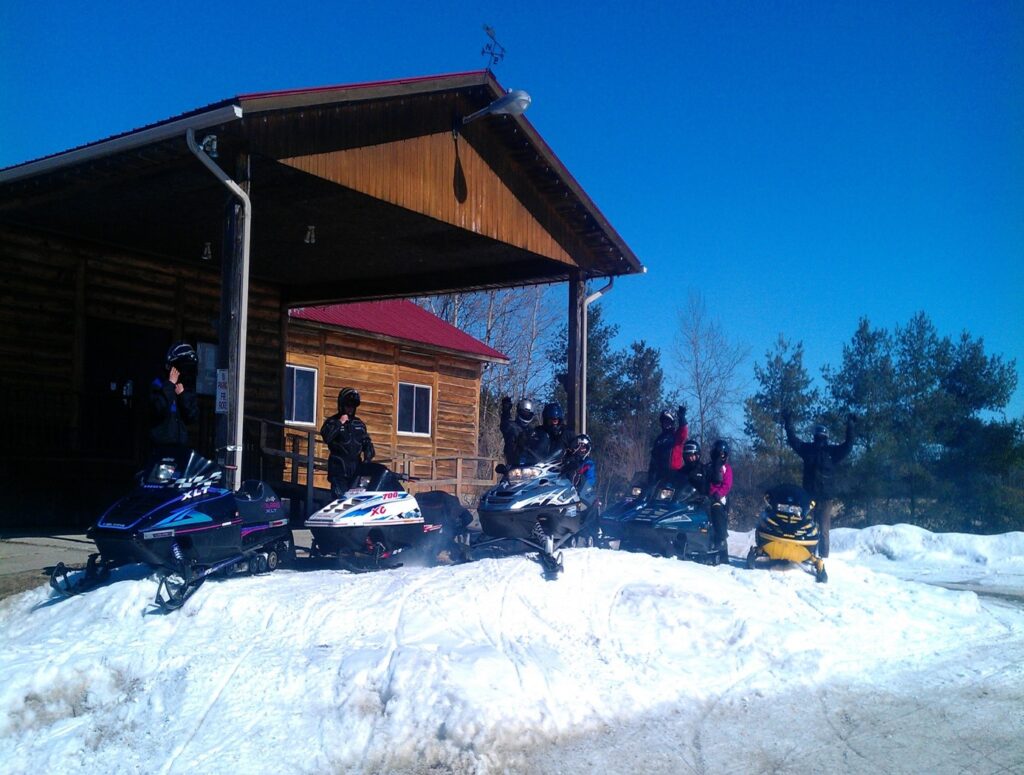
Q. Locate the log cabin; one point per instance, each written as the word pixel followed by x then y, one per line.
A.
pixel 418 377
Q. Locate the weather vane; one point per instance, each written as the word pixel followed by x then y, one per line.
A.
pixel 494 50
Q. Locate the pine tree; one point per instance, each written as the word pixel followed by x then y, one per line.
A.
pixel 783 384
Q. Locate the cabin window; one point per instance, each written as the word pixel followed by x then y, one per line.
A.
pixel 300 395
pixel 414 409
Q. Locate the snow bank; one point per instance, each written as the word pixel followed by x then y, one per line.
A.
pixel 469 668
pixel 902 543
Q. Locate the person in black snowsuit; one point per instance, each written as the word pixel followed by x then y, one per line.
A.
pixel 348 440
pixel 172 400
pixel 820 460
pixel 692 472
pixel 516 431
pixel 718 480
pixel 552 437
pixel 660 467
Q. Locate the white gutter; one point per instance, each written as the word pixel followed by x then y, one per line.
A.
pixel 583 391
pixel 124 143
pixel 243 303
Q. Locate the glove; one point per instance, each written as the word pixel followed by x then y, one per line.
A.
pixel 786 416
pixel 851 419
pixel 506 403
pixel 682 414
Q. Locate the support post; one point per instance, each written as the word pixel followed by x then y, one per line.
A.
pixel 310 469
pixel 237 315
pixel 574 382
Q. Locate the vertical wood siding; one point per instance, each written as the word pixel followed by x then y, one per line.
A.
pixel 418 174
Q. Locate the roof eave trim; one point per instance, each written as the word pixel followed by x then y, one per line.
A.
pixel 336 95
pixel 123 143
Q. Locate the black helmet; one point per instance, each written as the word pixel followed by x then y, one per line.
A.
pixel 820 432
pixel 691 447
pixel 667 416
pixel 720 450
pixel 348 396
pixel 581 445
pixel 182 357
pixel 524 410
pixel 553 412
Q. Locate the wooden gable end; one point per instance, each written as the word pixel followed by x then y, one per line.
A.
pixel 441 178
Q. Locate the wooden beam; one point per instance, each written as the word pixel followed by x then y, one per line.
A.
pixel 574 383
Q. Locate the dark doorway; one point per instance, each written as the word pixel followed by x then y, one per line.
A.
pixel 121 362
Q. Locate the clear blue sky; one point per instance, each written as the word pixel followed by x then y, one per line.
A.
pixel 802 163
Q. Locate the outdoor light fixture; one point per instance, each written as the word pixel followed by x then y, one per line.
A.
pixel 207 251
pixel 310 238
pixel 513 103
pixel 209 146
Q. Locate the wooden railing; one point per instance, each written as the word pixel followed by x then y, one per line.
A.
pixel 472 473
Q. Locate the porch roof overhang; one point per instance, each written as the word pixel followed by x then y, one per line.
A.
pixel 393 193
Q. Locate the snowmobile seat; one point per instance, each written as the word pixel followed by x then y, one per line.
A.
pixel 442 508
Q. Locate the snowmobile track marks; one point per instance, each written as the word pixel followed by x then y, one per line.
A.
pixel 214 699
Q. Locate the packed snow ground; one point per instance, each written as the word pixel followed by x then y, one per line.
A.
pixel 627 663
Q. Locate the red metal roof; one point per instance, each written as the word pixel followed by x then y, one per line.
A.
pixel 401 319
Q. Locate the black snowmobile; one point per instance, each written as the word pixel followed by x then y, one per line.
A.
pixel 669 518
pixel 182 521
pixel 377 524
pixel 787 532
pixel 533 507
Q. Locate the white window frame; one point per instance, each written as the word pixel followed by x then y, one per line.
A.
pixel 316 385
pixel 430 403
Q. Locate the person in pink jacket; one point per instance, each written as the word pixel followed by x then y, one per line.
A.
pixel 718 476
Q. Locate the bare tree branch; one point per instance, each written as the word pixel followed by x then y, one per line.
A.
pixel 709 364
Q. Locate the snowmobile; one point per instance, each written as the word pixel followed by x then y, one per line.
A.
pixel 787 532
pixel 377 524
pixel 669 518
pixel 534 506
pixel 182 521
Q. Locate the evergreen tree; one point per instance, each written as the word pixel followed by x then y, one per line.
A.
pixel 783 384
pixel 865 385
pixel 928 455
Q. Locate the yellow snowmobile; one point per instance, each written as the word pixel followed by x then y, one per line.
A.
pixel 788 532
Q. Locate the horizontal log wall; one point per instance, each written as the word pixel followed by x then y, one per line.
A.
pixel 375 367
pixel 50 287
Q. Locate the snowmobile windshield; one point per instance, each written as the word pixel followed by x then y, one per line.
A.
pixel 185 464
pixel 375 477
pixel 687 493
pixel 522 473
pixel 664 493
pixel 789 499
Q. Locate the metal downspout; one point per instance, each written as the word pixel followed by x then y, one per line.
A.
pixel 583 390
pixel 243 310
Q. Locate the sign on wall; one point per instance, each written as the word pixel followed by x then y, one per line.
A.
pixel 222 391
